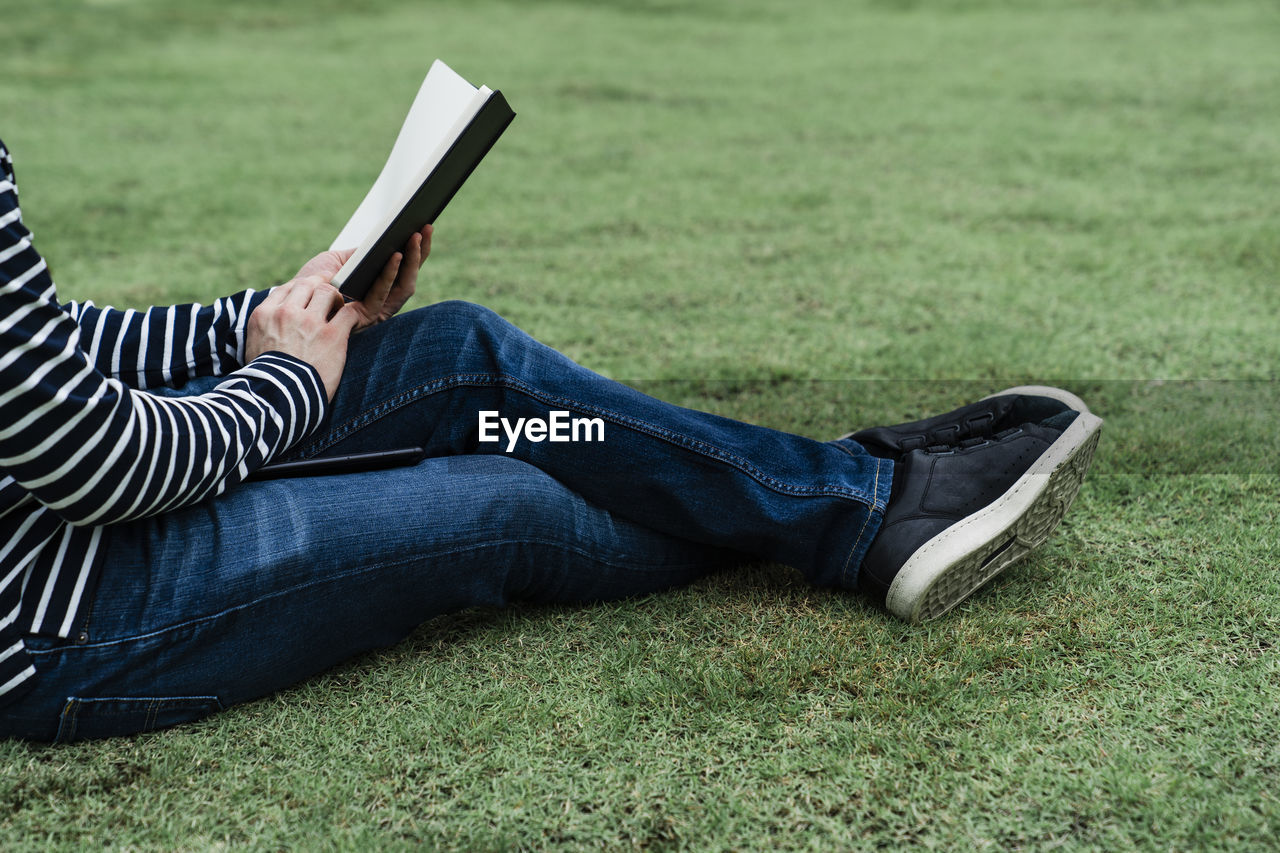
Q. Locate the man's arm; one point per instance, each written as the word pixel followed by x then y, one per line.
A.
pixel 173 345
pixel 166 345
pixel 96 451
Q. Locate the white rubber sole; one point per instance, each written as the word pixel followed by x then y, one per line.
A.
pixel 949 567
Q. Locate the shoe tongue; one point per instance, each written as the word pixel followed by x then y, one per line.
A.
pixel 1060 421
pixel 1034 409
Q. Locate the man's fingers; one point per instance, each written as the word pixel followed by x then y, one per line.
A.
pixel 347 318
pixel 389 273
pixel 426 232
pixel 303 290
pixel 276 295
pixel 377 295
pixel 298 295
pixel 335 302
pixel 412 253
pixel 412 261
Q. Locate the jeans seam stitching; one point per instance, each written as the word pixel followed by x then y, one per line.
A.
pixel 875 491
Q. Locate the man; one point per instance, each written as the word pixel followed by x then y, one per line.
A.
pixel 144 582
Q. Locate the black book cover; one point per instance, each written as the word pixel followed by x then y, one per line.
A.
pixel 425 205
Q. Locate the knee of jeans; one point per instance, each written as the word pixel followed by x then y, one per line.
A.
pixel 460 315
pixel 453 329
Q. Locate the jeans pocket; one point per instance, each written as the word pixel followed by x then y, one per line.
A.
pixel 88 719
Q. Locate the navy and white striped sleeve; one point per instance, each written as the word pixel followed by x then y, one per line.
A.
pixel 166 345
pixel 95 450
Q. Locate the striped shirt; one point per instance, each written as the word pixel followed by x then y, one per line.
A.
pixel 83 445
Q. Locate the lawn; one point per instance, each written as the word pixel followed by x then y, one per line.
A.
pixel 810 214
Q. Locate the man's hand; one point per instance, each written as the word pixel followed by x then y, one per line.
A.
pixel 393 287
pixel 304 318
pixel 308 319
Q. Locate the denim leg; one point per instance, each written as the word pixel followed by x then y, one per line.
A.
pixel 240 596
pixel 425 377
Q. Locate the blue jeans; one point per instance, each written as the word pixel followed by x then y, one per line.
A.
pixel 238 596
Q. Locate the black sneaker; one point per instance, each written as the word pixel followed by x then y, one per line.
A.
pixel 983 419
pixel 958 516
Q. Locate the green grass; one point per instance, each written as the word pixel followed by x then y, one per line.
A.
pixel 813 215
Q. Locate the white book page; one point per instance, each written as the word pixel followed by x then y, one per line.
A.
pixel 387 217
pixel 443 106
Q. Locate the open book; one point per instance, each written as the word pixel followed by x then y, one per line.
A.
pixel 449 129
